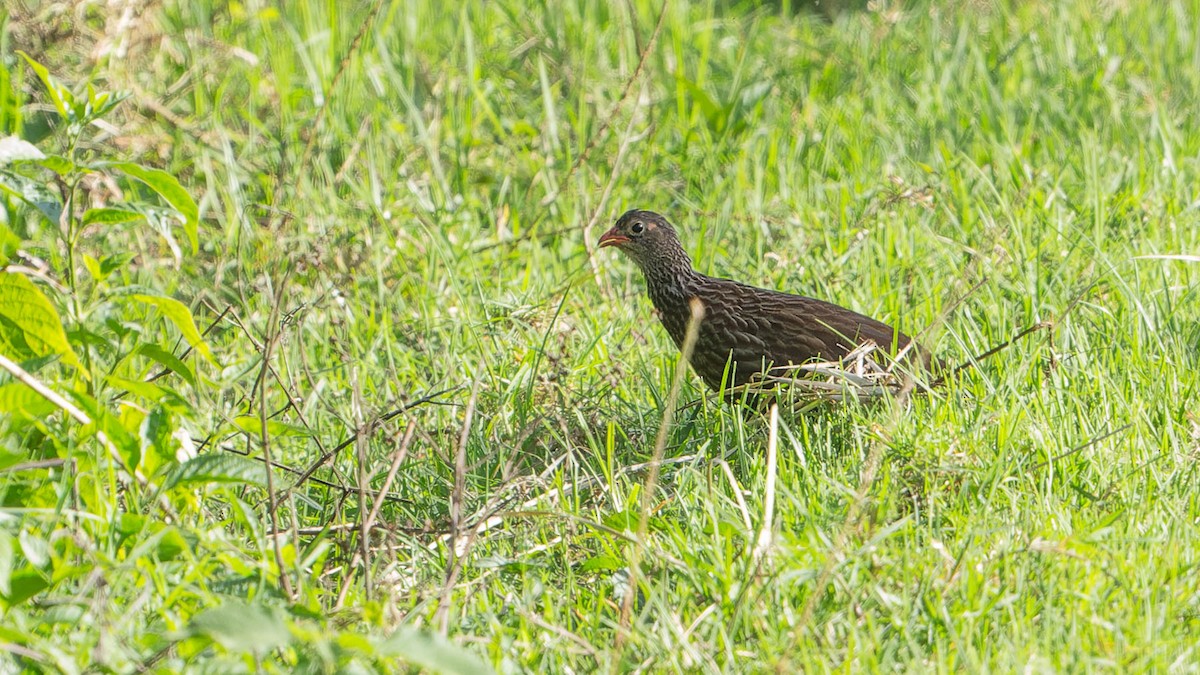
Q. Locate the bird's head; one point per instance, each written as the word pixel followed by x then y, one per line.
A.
pixel 648 238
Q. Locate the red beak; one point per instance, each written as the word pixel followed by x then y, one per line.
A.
pixel 613 238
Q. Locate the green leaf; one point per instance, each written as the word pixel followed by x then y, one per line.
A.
pixel 240 627
pixel 113 262
pixel 714 114
pixel 9 243
pixel 165 543
pixel 127 445
pixel 169 189
pixel 171 545
pixel 67 615
pixel 100 103
pixel 35 549
pixel 622 521
pixel 109 216
pixel 605 563
pixel 34 194
pixel 169 361
pixel 130 523
pixel 252 425
pixel 83 336
pixel 60 95
pixel 59 165
pixel 103 268
pixel 6 563
pixel 147 390
pixel 92 265
pixel 9 459
pixel 155 434
pixel 217 468
pixel 25 584
pixel 18 398
pixel 29 325
pixel 432 652
pixel 178 314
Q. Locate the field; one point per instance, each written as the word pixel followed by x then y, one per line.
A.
pixel 356 242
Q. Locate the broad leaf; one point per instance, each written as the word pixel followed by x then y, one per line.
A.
pixel 60 95
pixel 606 563
pixel 102 420
pixel 9 243
pixel 109 216
pixel 178 314
pixel 252 424
pixel 6 564
pixel 100 103
pixel 155 434
pixel 217 468
pixel 29 325
pixel 33 193
pixel 24 584
pixel 59 164
pixel 168 361
pixel 35 549
pixel 432 652
pixel 147 390
pixel 240 627
pixel 110 263
pixel 17 398
pixel 170 190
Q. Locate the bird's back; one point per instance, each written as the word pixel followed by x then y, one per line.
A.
pixel 750 327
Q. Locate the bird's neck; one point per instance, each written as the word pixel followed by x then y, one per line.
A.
pixel 671 283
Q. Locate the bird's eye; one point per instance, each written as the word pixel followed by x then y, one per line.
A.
pixel 637 227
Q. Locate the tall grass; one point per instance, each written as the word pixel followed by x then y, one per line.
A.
pixel 399 203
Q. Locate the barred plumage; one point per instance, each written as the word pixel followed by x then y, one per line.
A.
pixel 744 327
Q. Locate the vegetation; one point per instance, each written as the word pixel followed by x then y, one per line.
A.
pixel 355 242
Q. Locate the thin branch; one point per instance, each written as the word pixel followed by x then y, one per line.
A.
pixel 456 504
pixel 397 459
pixel 996 349
pixel 39 464
pixel 361 447
pixel 269 342
pixel 1049 324
pixel 167 371
pixel 1082 447
pixel 428 398
pixel 345 490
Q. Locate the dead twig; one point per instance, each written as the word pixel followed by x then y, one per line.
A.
pixel 454 568
pixel 373 424
pixel 367 523
pixel 269 342
pixel 1082 446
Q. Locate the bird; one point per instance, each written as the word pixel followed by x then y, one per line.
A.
pixel 744 331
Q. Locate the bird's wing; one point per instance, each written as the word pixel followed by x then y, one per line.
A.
pixel 786 328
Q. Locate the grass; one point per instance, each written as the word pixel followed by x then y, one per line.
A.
pixel 402 198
